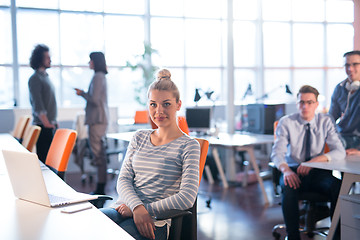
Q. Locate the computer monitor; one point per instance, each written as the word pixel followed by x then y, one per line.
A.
pixel 261 117
pixel 198 119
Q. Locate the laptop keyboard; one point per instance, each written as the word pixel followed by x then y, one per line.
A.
pixel 58 200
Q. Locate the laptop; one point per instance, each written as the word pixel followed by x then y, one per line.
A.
pixel 28 183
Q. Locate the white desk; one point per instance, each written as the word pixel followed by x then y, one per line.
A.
pixel 29 221
pixel 237 142
pixel 351 169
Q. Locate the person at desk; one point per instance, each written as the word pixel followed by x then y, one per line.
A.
pixel 96 117
pixel 345 107
pixel 160 170
pixel 42 99
pixel 289 151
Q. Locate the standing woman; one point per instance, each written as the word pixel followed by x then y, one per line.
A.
pixel 96 116
pixel 160 170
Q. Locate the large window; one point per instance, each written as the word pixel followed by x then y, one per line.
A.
pixel 275 43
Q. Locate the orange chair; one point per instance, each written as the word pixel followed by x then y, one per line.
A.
pixel 30 137
pixel 184 223
pixel 141 117
pixel 20 127
pixel 60 149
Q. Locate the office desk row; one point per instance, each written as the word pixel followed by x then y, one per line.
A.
pixel 351 169
pixel 25 220
pixel 234 142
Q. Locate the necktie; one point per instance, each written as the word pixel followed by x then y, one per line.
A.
pixel 307 142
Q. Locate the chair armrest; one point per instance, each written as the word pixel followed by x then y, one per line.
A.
pixel 172 214
pixel 104 197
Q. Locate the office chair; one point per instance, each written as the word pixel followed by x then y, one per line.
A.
pixel 20 127
pixel 309 200
pixel 30 137
pixel 60 149
pixel 184 222
pixel 141 117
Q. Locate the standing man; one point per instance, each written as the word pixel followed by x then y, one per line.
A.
pixel 42 99
pixel 301 137
pixel 345 103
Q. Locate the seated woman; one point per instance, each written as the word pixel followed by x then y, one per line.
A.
pixel 161 168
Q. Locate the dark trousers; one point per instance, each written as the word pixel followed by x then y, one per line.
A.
pixel 43 144
pixel 129 226
pixel 317 180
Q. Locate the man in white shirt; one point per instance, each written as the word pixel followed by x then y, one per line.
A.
pixel 301 137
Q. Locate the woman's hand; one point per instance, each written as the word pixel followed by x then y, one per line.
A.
pixel 124 210
pixel 144 222
pixel 78 91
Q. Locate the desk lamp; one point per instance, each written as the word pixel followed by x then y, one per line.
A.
pixel 266 95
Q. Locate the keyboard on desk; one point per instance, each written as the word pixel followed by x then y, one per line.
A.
pixel 58 200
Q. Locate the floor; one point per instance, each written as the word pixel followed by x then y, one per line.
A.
pixel 234 213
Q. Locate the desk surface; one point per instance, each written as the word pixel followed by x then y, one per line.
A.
pixel 224 139
pixel 24 220
pixel 351 164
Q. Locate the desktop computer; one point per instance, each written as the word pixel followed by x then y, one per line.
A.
pixel 261 117
pixel 199 119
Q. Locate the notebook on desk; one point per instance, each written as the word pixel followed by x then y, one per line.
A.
pixel 28 182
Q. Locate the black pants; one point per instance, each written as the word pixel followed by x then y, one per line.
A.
pixel 43 144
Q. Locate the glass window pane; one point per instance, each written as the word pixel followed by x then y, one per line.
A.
pixel 24 75
pixel 308 10
pixel 276 44
pixel 334 77
pixel 340 39
pixel 120 46
pixel 170 45
pixel 312 77
pixel 245 10
pixel 244 44
pixel 5 2
pixel 51 4
pixel 308 45
pixel 125 6
pixel 242 79
pixel 206 80
pixel 205 8
pixel 174 8
pixel 5 37
pixel 6 87
pixel 276 10
pixel 275 81
pixel 80 35
pixel 46 32
pixel 203 42
pixel 339 11
pixel 82 5
pixel 121 90
pixel 75 77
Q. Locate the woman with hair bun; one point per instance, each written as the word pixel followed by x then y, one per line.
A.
pixel 161 167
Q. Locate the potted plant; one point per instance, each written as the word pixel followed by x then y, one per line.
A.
pixel 143 62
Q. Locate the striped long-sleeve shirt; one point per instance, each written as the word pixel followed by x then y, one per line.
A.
pixel 159 177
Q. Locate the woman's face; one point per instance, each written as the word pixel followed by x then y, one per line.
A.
pixel 163 108
pixel 91 64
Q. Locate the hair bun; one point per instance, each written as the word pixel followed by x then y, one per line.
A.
pixel 164 74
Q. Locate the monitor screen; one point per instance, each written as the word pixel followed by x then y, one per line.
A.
pixel 198 118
